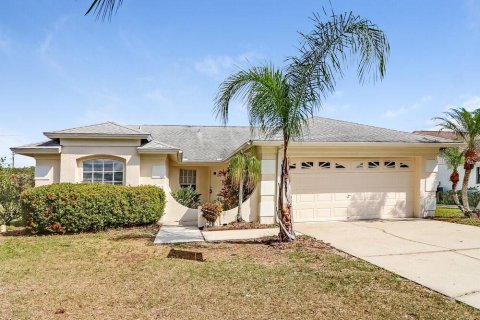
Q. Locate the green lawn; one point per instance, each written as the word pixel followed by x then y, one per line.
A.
pixel 122 275
pixel 455 215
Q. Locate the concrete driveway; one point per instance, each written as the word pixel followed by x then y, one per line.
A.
pixel 442 256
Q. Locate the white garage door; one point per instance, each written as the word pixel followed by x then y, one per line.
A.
pixel 339 189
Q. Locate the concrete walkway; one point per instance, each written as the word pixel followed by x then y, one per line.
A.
pixel 442 256
pixel 246 234
pixel 178 234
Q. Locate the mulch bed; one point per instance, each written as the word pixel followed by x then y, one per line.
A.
pixel 241 226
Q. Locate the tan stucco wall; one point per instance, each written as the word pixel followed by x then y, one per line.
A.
pixel 147 163
pixel 203 179
pixel 72 158
pixel 52 162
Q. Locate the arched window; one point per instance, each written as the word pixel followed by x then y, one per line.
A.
pixel 103 171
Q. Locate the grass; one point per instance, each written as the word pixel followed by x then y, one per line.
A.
pixel 120 274
pixel 455 215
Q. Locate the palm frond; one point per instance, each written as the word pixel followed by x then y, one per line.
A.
pixel 237 168
pixel 252 167
pixel 325 52
pixel 454 157
pixel 464 123
pixel 266 93
pixel 104 8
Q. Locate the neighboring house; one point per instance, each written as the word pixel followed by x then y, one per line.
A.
pixel 444 172
pixel 339 171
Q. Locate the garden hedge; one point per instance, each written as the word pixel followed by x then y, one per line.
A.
pixel 66 207
pixel 446 198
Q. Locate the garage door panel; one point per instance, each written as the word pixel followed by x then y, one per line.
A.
pixel 352 193
pixel 324 196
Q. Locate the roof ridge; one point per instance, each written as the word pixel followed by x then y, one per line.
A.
pixel 79 127
pixel 99 124
pixel 186 125
pixel 165 144
pixel 125 127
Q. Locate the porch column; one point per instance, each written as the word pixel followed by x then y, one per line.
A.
pixel 426 188
pixel 268 158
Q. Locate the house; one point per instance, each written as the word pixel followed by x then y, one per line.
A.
pixel 340 170
pixel 444 172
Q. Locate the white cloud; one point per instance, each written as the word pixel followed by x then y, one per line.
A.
pixel 470 103
pixel 392 114
pixel 215 66
pixel 45 46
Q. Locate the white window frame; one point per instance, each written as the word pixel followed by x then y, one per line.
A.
pixel 94 171
pixel 188 178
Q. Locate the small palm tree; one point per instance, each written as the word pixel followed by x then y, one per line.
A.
pixel 454 157
pixel 244 169
pixel 280 102
pixel 466 125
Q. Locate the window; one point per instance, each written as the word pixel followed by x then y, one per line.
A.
pixel 103 171
pixel 307 165
pixel 359 165
pixel 389 164
pixel 292 166
pixel 478 175
pixel 339 166
pixel 188 178
pixel 373 164
pixel 404 165
pixel 324 164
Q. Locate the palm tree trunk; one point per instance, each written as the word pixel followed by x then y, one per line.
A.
pixel 285 200
pixel 466 205
pixel 240 201
pixel 454 179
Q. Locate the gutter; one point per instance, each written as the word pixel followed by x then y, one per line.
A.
pixel 37 150
pixel 361 144
pixel 53 135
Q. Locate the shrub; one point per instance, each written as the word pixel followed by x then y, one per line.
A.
pixel 67 207
pixel 187 197
pixel 12 183
pixel 228 195
pixel 445 197
pixel 212 210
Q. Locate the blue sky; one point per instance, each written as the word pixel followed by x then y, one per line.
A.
pixel 160 62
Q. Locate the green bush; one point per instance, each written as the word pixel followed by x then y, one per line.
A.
pixel 66 207
pixel 446 198
pixel 12 183
pixel 187 197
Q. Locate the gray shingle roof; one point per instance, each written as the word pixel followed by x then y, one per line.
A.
pixel 106 128
pixel 41 144
pixel 330 130
pixel 199 143
pixel 216 143
pixel 211 143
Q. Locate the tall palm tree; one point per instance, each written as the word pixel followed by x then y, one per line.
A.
pixel 466 125
pixel 280 102
pixel 244 169
pixel 454 157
